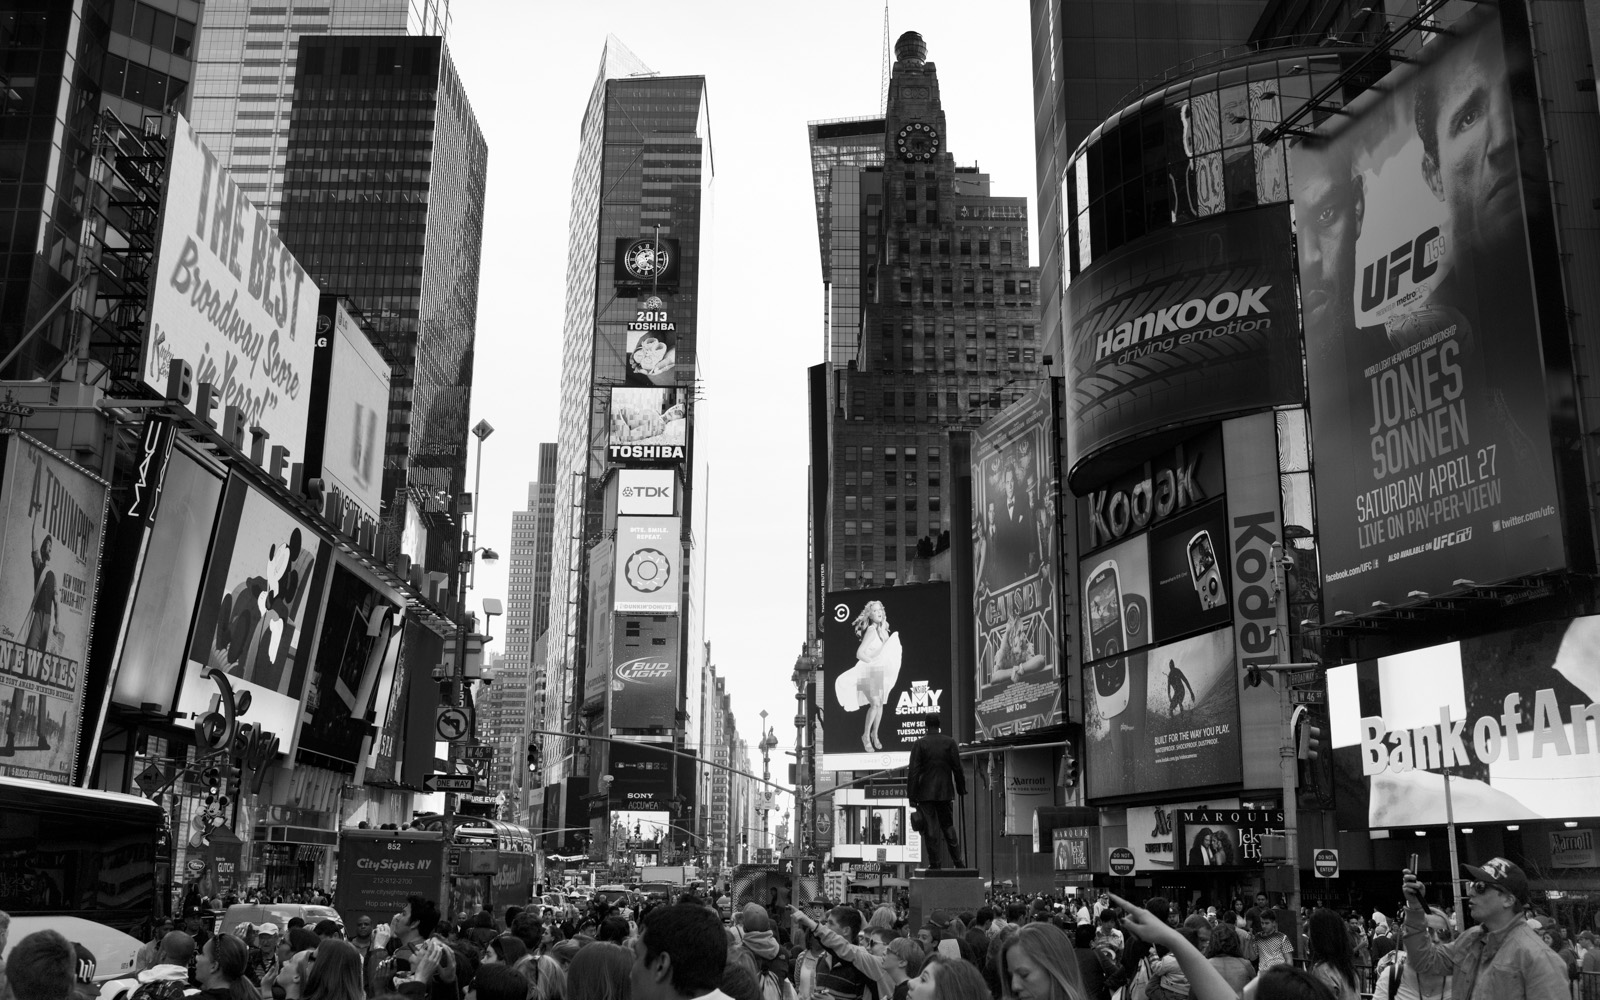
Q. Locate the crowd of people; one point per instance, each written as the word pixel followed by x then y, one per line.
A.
pixel 687 950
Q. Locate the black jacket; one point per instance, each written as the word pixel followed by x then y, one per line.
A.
pixel 935 773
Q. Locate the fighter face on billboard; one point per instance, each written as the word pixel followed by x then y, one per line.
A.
pixel 1330 200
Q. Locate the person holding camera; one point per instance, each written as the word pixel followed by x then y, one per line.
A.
pixel 1502 957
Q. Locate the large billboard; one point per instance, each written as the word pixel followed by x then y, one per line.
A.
pixel 1163 718
pixel 641 777
pixel 644 672
pixel 1153 832
pixel 652 492
pixel 1511 716
pixel 1224 838
pixel 1179 328
pixel 648 426
pixel 1432 443
pixel 229 298
pixel 349 410
pixel 886 669
pixel 652 345
pixel 50 541
pixel 155 632
pixel 1016 597
pixel 597 654
pixel 357 648
pixel 649 573
pixel 255 617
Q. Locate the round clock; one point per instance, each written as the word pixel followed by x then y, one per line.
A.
pixel 645 259
pixel 917 141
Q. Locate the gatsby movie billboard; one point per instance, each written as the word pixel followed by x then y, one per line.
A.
pixel 50 543
pixel 886 669
pixel 649 572
pixel 1016 596
pixel 1427 383
pixel 228 297
pixel 1513 717
pixel 256 614
pixel 648 426
pixel 644 672
pixel 1183 326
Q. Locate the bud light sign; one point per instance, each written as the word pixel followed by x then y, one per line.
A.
pixel 644 675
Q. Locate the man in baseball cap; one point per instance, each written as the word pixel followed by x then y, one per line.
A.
pixel 1502 957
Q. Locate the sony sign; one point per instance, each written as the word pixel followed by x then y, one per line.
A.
pixel 647 491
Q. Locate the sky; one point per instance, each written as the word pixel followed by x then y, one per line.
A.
pixel 770 68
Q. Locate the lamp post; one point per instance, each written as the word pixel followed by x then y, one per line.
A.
pixel 466 563
pixel 766 775
pixel 805 757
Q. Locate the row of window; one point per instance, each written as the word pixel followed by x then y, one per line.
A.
pixel 963 247
pixel 853 453
pixel 890 478
pixel 852 503
pixel 891 553
pixel 1014 331
pixel 890 528
pixel 140 84
pixel 155 28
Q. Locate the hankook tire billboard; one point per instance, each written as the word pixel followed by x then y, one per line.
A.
pixel 1196 322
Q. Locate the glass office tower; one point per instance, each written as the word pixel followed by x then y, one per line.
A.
pixel 383 203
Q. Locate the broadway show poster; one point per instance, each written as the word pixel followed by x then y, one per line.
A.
pixel 1189 572
pixel 1427 382
pixel 886 669
pixel 1175 722
pixel 644 675
pixel 1017 592
pixel 256 615
pixel 1183 326
pixel 49 566
pixel 653 342
pixel 1509 716
pixel 1224 838
pixel 355 658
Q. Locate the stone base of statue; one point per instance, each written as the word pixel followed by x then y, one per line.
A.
pixel 950 889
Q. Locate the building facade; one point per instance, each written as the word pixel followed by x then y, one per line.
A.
pixel 389 211
pixel 243 99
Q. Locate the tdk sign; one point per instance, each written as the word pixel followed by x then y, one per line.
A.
pixel 647 491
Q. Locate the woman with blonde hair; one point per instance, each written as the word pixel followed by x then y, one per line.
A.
pixel 335 973
pixel 870 681
pixel 883 916
pixel 600 971
pixel 1040 964
pixel 552 981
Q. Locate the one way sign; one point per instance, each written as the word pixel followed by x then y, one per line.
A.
pixel 449 782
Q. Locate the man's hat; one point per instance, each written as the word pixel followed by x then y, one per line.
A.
pixel 937 920
pixel 1501 874
pixel 266 929
pixel 85 970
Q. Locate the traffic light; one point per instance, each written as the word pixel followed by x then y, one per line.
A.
pixel 533 755
pixel 1069 770
pixel 211 777
pixel 1308 735
pixel 235 776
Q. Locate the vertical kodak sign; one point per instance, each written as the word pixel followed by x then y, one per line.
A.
pixel 1260 616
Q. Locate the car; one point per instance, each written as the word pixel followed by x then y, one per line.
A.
pixel 275 913
pixel 114 952
pixel 616 895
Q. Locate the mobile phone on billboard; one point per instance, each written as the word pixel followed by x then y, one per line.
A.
pixel 1204 571
pixel 1107 637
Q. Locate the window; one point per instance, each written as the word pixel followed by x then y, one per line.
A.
pixel 1010 286
pixel 890 554
pixel 1005 247
pixel 888 477
pixel 850 503
pixel 988 285
pixel 983 248
pixel 908 399
pixel 933 480
pixel 934 454
pixel 933 400
pixel 966 248
pixel 850 453
pixel 1027 287
pixel 891 527
pixel 972 355
pixel 866 527
pixel 911 552
pixel 850 552
pixel 933 503
pixel 911 528
pixel 849 527
pixel 952 400
pixel 890 503
pixel 925 246
pixel 911 454
pixel 888 397
pixel 911 216
pixel 890 454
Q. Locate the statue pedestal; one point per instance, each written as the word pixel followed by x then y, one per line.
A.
pixel 950 889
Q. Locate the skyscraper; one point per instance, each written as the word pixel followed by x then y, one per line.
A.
pixel 383 203
pixel 243 99
pixel 518 688
pixel 641 186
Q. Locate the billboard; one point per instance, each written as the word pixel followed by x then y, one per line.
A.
pixel 1183 326
pixel 156 628
pixel 1189 572
pixel 1153 832
pixel 641 777
pixel 255 617
pixel 228 297
pixel 1224 838
pixel 649 572
pixel 886 668
pixel 50 542
pixel 1030 784
pixel 648 426
pixel 647 260
pixel 652 342
pixel 644 672
pixel 597 654
pixel 652 492
pixel 1016 596
pixel 1511 716
pixel 349 410
pixel 1163 718
pixel 1427 379
pixel 357 646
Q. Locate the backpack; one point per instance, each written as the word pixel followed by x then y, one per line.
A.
pixel 160 989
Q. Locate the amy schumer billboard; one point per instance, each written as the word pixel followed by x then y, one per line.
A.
pixel 886 669
pixel 228 297
pixel 1016 597
pixel 1196 322
pixel 1423 351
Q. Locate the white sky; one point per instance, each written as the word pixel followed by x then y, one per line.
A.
pixel 770 68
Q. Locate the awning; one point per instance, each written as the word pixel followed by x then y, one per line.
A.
pixel 872 882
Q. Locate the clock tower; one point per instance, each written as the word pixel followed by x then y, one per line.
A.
pixel 914 133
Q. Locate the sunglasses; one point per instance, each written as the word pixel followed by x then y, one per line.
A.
pixel 1478 888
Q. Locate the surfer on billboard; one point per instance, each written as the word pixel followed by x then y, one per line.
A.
pixel 869 682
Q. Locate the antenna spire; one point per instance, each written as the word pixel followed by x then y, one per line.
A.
pixel 883 85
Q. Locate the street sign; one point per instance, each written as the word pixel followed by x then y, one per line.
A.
pixel 883 854
pixel 1308 696
pixel 1121 861
pixel 452 724
pixel 1326 862
pixel 477 753
pixel 1302 677
pixel 449 782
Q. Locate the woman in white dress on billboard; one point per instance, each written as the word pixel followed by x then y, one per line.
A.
pixel 869 682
